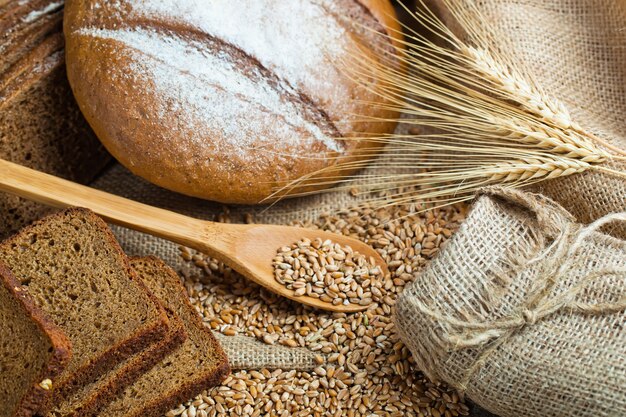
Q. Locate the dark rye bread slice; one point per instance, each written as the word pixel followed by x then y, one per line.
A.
pixel 41 126
pixel 33 351
pixel 25 28
pixel 198 364
pixel 33 65
pixel 90 398
pixel 78 275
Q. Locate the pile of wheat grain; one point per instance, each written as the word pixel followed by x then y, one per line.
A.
pixel 365 370
pixel 328 271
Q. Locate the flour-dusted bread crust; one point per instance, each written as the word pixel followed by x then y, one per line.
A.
pixel 223 100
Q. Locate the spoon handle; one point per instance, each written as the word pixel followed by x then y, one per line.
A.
pixel 53 191
pixel 247 248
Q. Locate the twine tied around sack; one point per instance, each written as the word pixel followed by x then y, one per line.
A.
pixel 555 262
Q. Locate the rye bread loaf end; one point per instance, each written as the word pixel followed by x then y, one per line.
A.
pixel 33 351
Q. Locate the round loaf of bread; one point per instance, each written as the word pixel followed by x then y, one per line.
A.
pixel 228 100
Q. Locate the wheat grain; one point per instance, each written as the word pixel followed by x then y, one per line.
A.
pixel 514 87
pixel 567 143
pixel 328 271
pixel 534 168
pixel 368 370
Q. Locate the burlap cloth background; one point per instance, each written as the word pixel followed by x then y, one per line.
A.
pixel 577 51
pixel 576 48
pixel 480 318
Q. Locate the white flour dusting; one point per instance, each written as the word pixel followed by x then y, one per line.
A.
pixel 215 105
pixel 49 62
pixel 36 14
pixel 293 38
pixel 208 91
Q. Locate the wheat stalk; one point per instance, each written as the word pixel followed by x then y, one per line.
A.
pixel 514 87
pixel 534 168
pixel 491 122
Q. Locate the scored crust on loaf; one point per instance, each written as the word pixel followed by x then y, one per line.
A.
pixel 198 364
pixel 226 102
pixel 33 351
pixel 75 271
pixel 41 126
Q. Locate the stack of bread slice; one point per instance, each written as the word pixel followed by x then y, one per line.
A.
pixel 41 126
pixel 138 347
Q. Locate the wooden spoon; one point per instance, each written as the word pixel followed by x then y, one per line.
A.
pixel 247 248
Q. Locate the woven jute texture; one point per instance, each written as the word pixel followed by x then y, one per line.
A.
pixel 246 353
pixel 524 311
pixel 576 49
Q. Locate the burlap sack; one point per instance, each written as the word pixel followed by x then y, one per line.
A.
pixel 577 51
pixel 524 310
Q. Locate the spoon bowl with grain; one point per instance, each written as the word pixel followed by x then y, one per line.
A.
pixel 249 249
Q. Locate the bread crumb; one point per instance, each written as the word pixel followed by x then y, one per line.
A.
pixel 46 384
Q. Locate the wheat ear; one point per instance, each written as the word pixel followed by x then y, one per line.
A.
pixel 489 121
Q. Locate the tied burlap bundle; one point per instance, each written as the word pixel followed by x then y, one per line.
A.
pixel 576 50
pixel 524 310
